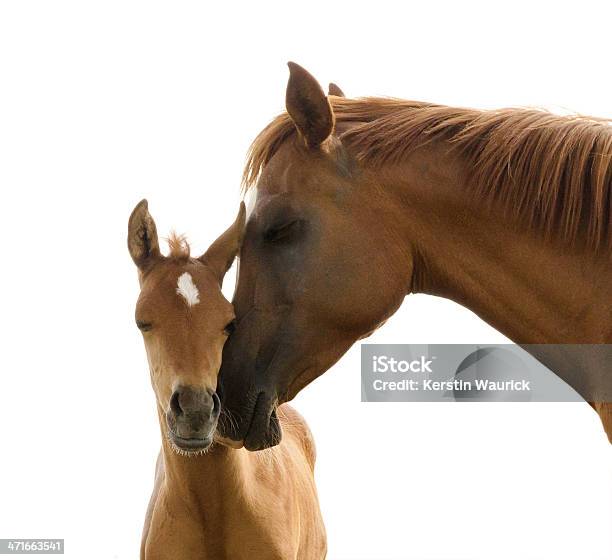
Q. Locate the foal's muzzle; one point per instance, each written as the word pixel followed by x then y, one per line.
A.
pixel 192 417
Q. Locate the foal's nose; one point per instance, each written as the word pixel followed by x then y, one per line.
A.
pixel 189 400
pixel 193 412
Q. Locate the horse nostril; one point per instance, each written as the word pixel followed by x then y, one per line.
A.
pixel 175 405
pixel 216 405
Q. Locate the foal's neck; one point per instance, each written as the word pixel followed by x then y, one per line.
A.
pixel 210 479
pixel 526 287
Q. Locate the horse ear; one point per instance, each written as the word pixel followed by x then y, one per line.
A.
pixel 142 240
pixel 308 106
pixel 334 89
pixel 221 254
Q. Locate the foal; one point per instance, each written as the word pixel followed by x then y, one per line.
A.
pixel 210 501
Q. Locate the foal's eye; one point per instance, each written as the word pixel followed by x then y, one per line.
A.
pixel 230 327
pixel 144 326
pixel 282 231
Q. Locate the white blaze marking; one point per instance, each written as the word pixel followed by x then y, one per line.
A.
pixel 187 289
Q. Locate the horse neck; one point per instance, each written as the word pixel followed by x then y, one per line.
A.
pixel 210 479
pixel 511 276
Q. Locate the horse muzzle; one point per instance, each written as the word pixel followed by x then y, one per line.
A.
pixel 192 418
pixel 256 428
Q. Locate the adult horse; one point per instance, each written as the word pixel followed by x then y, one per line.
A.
pixel 360 202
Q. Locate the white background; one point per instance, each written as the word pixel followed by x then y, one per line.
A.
pixel 104 103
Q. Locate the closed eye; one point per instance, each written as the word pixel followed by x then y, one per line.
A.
pixel 282 231
pixel 144 326
pixel 230 327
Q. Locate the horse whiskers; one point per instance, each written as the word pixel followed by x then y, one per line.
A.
pixel 227 415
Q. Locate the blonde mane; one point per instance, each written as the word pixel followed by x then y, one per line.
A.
pixel 552 172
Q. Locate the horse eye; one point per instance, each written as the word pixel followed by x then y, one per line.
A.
pixel 230 327
pixel 282 231
pixel 144 326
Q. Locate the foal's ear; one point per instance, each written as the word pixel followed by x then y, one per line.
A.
pixel 308 107
pixel 142 240
pixel 221 254
pixel 334 89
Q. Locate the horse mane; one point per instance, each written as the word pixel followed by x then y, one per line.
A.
pixel 552 172
pixel 178 246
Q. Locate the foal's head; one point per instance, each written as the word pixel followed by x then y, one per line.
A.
pixel 184 320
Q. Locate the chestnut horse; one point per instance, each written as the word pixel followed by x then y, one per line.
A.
pixel 210 501
pixel 359 202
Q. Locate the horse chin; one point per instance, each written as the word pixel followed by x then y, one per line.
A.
pixel 265 429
